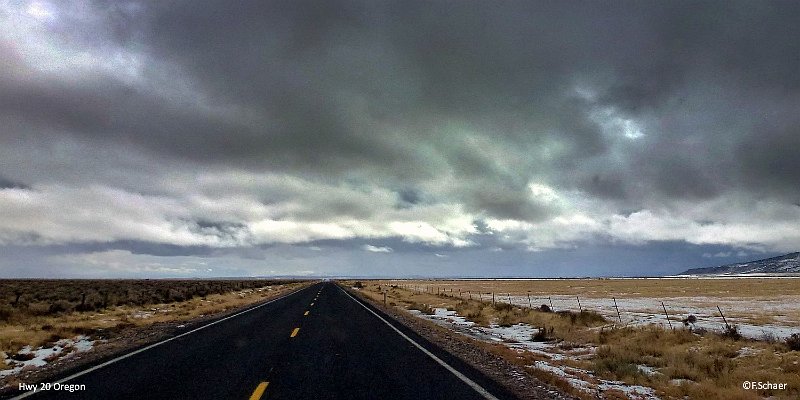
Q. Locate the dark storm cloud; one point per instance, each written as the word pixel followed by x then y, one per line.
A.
pixel 744 51
pixel 343 85
pixel 770 160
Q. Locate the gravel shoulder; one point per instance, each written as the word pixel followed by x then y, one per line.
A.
pixel 475 353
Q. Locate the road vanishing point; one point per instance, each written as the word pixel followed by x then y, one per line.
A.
pixel 317 343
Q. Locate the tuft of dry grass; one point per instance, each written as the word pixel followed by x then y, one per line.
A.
pixel 793 342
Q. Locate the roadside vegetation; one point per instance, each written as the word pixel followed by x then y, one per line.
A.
pixel 40 312
pixel 678 363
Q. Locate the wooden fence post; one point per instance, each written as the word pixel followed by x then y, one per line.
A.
pixel 727 327
pixel 667 315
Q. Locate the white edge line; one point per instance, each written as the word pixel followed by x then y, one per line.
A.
pixel 124 356
pixel 478 388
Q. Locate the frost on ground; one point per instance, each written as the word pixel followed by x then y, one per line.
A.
pixel 29 358
pixel 519 337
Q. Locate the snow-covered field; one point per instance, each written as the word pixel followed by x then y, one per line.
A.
pixel 763 307
pixel 781 310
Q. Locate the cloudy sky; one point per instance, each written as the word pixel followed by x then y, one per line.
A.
pixel 433 138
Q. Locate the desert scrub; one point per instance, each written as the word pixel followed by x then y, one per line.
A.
pixel 710 366
pixel 46 309
pixel 20 299
pixel 544 334
pixel 584 317
pixel 793 342
pixel 731 332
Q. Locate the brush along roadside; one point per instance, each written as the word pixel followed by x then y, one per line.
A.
pixel 584 351
pixel 480 355
pixel 34 347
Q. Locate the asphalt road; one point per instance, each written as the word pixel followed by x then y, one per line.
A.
pixel 318 343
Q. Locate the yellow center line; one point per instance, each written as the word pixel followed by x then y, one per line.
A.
pixel 294 332
pixel 312 304
pixel 259 391
pixel 306 313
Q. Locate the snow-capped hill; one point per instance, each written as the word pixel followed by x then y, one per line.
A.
pixel 788 264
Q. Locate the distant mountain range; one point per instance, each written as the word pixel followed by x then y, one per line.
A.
pixel 785 264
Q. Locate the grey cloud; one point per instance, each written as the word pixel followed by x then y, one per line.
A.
pixel 770 161
pixel 337 86
pixel 9 184
pixel 414 104
pixel 138 247
pixel 605 186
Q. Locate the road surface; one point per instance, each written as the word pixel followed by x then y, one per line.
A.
pixel 317 343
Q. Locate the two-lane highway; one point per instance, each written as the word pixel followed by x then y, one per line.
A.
pixel 318 343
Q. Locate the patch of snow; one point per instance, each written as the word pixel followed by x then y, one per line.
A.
pixel 748 352
pixel 142 314
pixel 576 378
pixel 515 333
pixel 562 373
pixel 646 369
pixel 42 355
pixel 634 392
pixel 451 317
pixel 519 336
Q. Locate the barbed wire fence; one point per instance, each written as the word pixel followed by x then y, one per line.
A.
pixel 646 310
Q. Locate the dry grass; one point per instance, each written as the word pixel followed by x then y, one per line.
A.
pixel 621 288
pixel 38 329
pixel 687 365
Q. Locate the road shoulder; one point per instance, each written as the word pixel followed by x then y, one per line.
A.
pixel 472 352
pixel 124 342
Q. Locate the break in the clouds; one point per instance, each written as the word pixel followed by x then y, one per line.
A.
pixel 225 130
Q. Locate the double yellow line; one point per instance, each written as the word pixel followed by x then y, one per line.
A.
pixel 263 385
